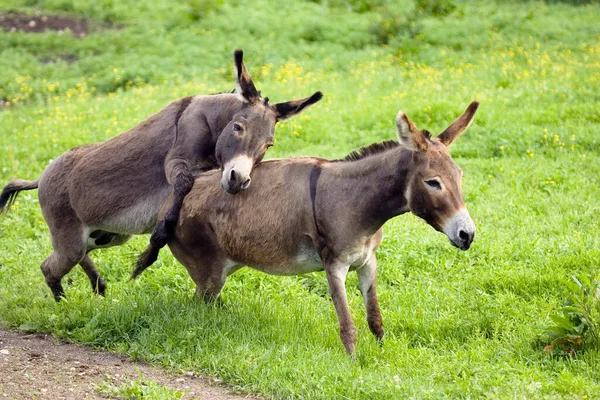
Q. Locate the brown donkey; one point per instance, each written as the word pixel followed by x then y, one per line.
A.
pixel 307 214
pixel 100 194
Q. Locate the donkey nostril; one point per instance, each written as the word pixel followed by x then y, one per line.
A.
pixel 246 184
pixel 232 176
pixel 464 236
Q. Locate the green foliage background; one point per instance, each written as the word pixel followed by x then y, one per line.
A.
pixel 457 324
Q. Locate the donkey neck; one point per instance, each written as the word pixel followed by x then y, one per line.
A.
pixel 374 187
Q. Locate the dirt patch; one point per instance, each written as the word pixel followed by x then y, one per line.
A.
pixel 12 22
pixel 42 367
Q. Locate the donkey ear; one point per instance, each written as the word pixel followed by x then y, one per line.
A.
pixel 245 86
pixel 408 134
pixel 290 108
pixel 459 126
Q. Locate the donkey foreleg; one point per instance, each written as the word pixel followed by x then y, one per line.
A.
pixel 183 180
pixel 367 281
pixel 182 184
pixel 336 278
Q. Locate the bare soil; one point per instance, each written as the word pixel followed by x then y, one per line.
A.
pixel 12 22
pixel 37 366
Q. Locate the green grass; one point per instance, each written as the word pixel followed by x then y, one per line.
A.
pixel 136 389
pixel 458 324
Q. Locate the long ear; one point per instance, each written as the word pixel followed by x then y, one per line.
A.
pixel 290 108
pixel 459 126
pixel 408 134
pixel 245 86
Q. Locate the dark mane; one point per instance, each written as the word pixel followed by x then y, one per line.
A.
pixel 214 94
pixel 371 149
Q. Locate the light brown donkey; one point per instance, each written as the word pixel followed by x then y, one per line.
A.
pixel 100 194
pixel 308 214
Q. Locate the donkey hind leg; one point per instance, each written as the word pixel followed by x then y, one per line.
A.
pixel 367 281
pixel 99 239
pixel 98 284
pixel 208 271
pixel 60 263
pixel 209 288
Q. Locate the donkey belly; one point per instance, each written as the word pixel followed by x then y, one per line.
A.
pixel 139 218
pixel 307 258
pixel 303 260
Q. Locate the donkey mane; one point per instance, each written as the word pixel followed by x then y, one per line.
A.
pixel 370 150
pixel 376 148
pixel 264 99
pixel 216 93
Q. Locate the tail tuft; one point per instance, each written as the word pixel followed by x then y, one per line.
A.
pixel 163 232
pixel 11 191
pixel 146 259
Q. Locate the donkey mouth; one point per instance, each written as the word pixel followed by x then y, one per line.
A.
pixel 235 188
pixel 231 189
pixel 464 246
pixel 460 230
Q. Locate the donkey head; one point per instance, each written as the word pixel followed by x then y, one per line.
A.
pixel 246 138
pixel 434 190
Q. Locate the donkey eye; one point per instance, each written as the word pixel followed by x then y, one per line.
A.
pixel 434 184
pixel 237 127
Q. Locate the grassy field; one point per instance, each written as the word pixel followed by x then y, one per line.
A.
pixel 458 324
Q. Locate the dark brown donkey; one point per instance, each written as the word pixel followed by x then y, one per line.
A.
pixel 307 214
pixel 100 194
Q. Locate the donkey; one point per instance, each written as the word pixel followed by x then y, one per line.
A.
pixel 307 214
pixel 99 195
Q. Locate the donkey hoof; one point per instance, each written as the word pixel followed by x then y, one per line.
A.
pixel 213 301
pixel 59 296
pixel 58 292
pixel 219 303
pixel 100 289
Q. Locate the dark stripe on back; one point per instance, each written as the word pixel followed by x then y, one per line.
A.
pixel 315 173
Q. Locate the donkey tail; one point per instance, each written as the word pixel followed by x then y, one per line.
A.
pixel 146 259
pixel 11 191
pixel 163 231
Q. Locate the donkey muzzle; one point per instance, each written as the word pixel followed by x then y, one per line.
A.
pixel 460 229
pixel 236 174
